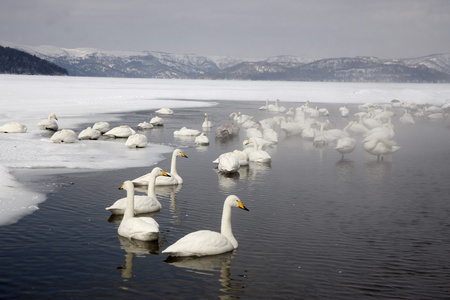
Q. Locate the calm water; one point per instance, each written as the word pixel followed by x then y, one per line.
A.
pixel 318 227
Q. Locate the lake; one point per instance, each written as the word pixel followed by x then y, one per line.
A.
pixel 318 227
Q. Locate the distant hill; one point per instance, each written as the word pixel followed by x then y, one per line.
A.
pixel 151 64
pixel 13 61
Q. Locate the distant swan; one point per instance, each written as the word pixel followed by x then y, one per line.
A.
pixel 207 242
pixel 165 111
pixel 257 155
pixel 89 134
pixel 13 127
pixel 49 123
pixel 186 132
pixel 207 123
pixel 64 136
pixel 102 127
pixel 142 203
pixel 122 131
pixel 202 140
pixel 143 228
pixel 137 140
pixel 172 180
pixel 345 145
pixel 157 121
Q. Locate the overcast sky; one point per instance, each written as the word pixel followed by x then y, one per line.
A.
pixel 243 28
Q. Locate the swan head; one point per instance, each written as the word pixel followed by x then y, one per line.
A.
pixel 206 115
pixel 53 116
pixel 157 171
pixel 127 185
pixel 234 201
pixel 180 153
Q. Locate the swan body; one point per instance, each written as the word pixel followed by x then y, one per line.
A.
pixel 102 126
pixel 207 242
pixel 226 131
pixel 380 146
pixel 157 121
pixel 13 127
pixel 265 106
pixel 122 131
pixel 228 163
pixel 142 203
pixel 276 108
pixel 345 111
pixel 206 123
pixel 202 140
pixel 49 123
pixel 64 136
pixel 186 132
pixel 165 111
pixel 137 140
pixel 144 125
pixel 258 155
pixel 160 180
pixel 89 134
pixel 345 145
pixel 407 118
pixel 320 138
pixel 143 228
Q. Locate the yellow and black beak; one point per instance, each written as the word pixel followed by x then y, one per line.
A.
pixel 121 188
pixel 165 174
pixel 184 155
pixel 242 206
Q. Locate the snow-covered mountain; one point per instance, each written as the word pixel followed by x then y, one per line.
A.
pixel 152 64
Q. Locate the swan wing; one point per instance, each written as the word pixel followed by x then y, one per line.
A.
pixel 143 228
pixel 142 205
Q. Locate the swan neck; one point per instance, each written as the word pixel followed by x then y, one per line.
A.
pixel 225 228
pixel 151 186
pixel 173 164
pixel 129 210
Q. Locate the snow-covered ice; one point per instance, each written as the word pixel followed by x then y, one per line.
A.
pixel 79 100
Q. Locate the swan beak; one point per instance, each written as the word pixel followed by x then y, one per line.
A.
pixel 247 142
pixel 184 155
pixel 242 206
pixel 165 174
pixel 121 188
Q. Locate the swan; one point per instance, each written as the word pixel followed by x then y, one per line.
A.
pixel 142 203
pixel 131 227
pixel 336 134
pixel 228 163
pixel 186 132
pixel 207 242
pixel 89 134
pixel 345 111
pixel 172 180
pixel 202 140
pixel 102 126
pixel 276 108
pixel 206 123
pixel 165 111
pixel 226 131
pixel 137 140
pixel 406 118
pixel 122 131
pixel 320 138
pixel 380 146
pixel 144 125
pixel 265 106
pixel 241 156
pixel 49 123
pixel 257 155
pixel 64 136
pixel 157 121
pixel 13 127
pixel 345 145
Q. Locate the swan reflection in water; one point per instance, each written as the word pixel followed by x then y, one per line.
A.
pixel 135 248
pixel 209 265
pixel 378 171
pixel 344 170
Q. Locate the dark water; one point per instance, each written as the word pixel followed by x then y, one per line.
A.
pixel 318 227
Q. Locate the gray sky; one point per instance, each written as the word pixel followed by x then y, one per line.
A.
pixel 243 28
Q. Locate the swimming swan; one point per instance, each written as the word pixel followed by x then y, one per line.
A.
pixel 165 111
pixel 142 203
pixel 172 180
pixel 143 228
pixel 207 124
pixel 49 123
pixel 207 242
pixel 258 154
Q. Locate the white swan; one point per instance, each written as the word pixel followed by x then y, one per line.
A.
pixel 276 108
pixel 13 127
pixel 345 145
pixel 143 228
pixel 202 140
pixel 49 123
pixel 320 138
pixel 142 203
pixel 207 242
pixel 407 118
pixel 265 106
pixel 137 140
pixel 380 146
pixel 144 126
pixel 157 121
pixel 258 154
pixel 345 111
pixel 206 123
pixel 102 126
pixel 228 163
pixel 64 136
pixel 165 111
pixel 186 132
pixel 122 131
pixel 89 134
pixel 172 180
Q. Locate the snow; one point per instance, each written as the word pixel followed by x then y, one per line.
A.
pixel 78 100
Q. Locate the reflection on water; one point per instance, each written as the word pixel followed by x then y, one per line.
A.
pixel 378 171
pixel 344 170
pixel 134 247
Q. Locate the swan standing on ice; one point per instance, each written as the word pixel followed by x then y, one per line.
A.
pixel 122 131
pixel 206 123
pixel 89 134
pixel 165 111
pixel 64 136
pixel 13 127
pixel 142 203
pixel 173 179
pixel 137 140
pixel 49 123
pixel 207 242
pixel 157 121
pixel 131 227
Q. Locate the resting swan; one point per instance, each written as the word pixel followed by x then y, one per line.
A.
pixel 64 136
pixel 89 134
pixel 13 127
pixel 207 242
pixel 142 204
pixel 49 123
pixel 131 227
pixel 172 180
pixel 137 140
pixel 122 131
